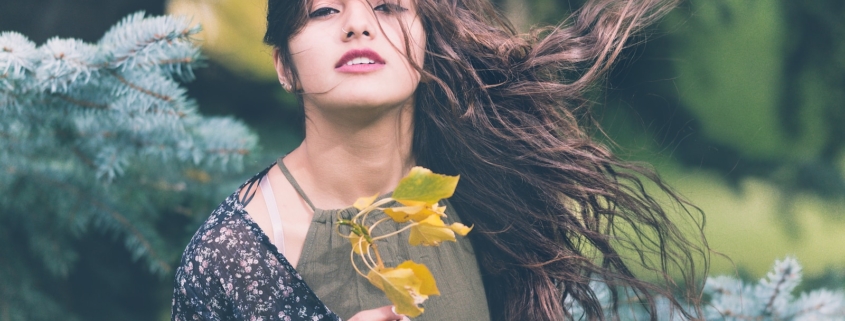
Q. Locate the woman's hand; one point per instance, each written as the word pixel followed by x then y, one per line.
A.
pixel 384 313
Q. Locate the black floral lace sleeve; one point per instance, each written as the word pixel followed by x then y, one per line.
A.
pixel 231 271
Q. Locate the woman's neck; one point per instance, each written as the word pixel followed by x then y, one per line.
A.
pixel 343 158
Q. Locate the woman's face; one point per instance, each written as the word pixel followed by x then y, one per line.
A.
pixel 351 54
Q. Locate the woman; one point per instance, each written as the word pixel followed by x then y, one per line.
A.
pixel 448 85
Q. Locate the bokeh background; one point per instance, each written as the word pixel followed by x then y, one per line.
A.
pixel 738 104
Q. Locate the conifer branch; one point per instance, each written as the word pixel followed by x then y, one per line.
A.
pixel 120 218
pixel 81 103
pixel 187 60
pixel 85 159
pixel 239 151
pixel 777 289
pixel 731 299
pixel 74 116
pixel 139 88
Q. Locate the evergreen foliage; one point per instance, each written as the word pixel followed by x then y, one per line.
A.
pixel 731 299
pixel 101 139
pixel 771 298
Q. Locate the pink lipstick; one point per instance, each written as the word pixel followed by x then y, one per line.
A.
pixel 359 61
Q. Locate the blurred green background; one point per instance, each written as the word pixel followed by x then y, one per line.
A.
pixel 738 104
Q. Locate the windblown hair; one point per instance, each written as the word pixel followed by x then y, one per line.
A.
pixel 552 208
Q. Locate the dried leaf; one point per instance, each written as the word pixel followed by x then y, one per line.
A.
pixel 422 187
pixel 363 202
pixel 431 232
pixel 359 243
pixel 418 213
pixel 406 286
pixel 460 228
pixel 428 285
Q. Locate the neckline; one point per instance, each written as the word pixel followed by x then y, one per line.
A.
pixel 289 176
pixel 285 171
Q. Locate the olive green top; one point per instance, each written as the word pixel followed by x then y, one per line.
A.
pixel 325 266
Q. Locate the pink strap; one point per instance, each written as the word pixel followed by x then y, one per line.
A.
pixel 273 211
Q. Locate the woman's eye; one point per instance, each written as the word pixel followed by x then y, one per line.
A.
pixel 322 12
pixel 390 8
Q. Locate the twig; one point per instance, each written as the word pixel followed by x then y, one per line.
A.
pixel 120 218
pixel 379 262
pixel 782 280
pixel 372 207
pixel 355 266
pixel 373 227
pixel 407 227
pixel 84 159
pixel 139 88
pixel 82 103
pixel 228 151
pixel 174 61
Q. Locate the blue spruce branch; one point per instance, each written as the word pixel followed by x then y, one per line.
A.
pixel 732 299
pixel 122 88
pixel 99 137
pixel 771 298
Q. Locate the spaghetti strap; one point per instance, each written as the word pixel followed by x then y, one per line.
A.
pixel 292 181
pixel 273 211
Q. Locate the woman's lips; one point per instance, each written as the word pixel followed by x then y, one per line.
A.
pixel 359 61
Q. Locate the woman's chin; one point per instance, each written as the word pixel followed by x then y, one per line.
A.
pixel 368 109
pixel 363 101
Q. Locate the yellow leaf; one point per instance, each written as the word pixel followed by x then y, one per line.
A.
pixel 406 286
pixel 421 186
pixel 402 214
pixel 398 285
pixel 460 228
pixel 439 209
pixel 418 213
pixel 427 284
pixel 431 231
pixel 359 243
pixel 363 202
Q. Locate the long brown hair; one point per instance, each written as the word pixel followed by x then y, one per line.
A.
pixel 553 209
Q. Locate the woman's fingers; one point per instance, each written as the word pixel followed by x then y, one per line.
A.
pixel 400 316
pixel 384 313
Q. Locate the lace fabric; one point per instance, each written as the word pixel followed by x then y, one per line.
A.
pixel 231 271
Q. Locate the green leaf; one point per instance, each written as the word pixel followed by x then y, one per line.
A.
pixel 421 186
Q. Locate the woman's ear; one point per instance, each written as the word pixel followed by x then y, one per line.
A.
pixel 281 70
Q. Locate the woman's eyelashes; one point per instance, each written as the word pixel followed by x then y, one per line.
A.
pixel 384 7
pixel 322 12
pixel 390 8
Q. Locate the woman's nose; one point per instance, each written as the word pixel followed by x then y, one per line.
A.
pixel 360 21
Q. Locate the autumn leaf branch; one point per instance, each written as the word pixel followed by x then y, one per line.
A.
pixel 409 284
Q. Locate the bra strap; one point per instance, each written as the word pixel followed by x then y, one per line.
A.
pixel 292 181
pixel 273 211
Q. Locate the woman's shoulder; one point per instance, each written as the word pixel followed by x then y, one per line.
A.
pixel 227 224
pixel 232 208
